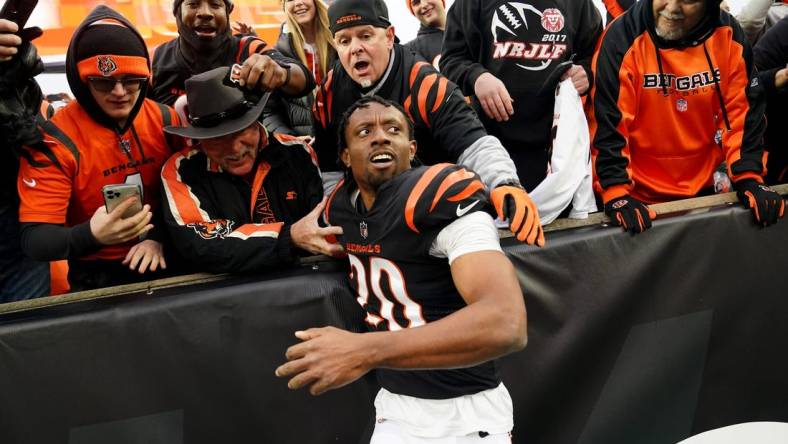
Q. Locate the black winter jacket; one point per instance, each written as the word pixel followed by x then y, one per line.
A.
pixel 427 44
pixel 222 223
pixel 771 55
pixel 290 115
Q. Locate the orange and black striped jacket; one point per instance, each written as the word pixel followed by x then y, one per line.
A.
pixel 222 223
pixel 667 113
pixel 445 125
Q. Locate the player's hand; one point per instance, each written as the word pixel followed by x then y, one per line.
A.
pixel 579 78
pixel 308 235
pixel 146 255
pixel 111 228
pixel 767 205
pixel 262 72
pixel 513 203
pixel 633 215
pixel 329 358
pixel 9 41
pixel 494 97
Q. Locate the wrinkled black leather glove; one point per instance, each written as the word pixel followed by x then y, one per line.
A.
pixel 633 215
pixel 20 97
pixel 766 204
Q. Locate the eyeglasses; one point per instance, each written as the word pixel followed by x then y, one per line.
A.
pixel 212 120
pixel 107 84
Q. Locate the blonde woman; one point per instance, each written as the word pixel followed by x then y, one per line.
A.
pixel 305 36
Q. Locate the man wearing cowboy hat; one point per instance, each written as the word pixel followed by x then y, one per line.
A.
pixel 240 199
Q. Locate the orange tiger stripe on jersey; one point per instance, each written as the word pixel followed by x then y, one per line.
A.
pixel 406 105
pixel 418 190
pixel 448 182
pixel 182 201
pixel 331 199
pixel 424 90
pixel 443 83
pixel 414 72
pixel 472 187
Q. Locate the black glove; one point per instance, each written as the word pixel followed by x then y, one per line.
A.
pixel 633 215
pixel 766 204
pixel 20 97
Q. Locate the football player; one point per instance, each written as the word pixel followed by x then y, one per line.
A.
pixel 442 301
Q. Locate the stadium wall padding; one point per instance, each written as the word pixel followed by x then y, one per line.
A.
pixel 632 339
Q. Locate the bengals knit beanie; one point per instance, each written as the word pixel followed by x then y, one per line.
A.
pixel 410 5
pixel 108 48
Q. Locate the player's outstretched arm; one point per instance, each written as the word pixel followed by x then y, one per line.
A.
pixel 491 325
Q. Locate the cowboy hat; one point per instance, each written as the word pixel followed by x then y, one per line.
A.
pixel 217 106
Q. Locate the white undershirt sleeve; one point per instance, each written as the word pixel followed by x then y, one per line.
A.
pixel 468 234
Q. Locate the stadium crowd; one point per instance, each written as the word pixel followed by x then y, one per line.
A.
pixel 228 153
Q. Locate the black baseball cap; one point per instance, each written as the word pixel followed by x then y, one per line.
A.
pixel 347 13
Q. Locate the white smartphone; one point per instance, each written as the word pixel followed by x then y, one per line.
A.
pixel 116 194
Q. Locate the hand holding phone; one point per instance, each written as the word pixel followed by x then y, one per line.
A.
pixel 115 194
pixel 122 217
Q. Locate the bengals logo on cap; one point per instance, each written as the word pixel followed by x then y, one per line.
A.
pixel 348 18
pixel 106 65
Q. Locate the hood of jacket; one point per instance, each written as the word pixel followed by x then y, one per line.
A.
pixel 702 31
pixel 80 89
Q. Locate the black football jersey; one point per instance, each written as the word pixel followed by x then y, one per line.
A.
pixel 394 277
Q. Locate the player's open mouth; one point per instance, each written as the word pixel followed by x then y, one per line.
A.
pixel 382 160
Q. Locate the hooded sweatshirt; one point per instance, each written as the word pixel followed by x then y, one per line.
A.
pixel 60 184
pixel 187 55
pixel 667 113
pixel 521 44
pixel 427 44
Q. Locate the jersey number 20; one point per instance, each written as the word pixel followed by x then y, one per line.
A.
pixel 395 299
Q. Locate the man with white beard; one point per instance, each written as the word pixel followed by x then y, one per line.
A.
pixel 676 94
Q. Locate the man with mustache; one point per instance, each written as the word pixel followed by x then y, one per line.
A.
pixel 372 63
pixel 675 94
pixel 205 41
pixel 240 199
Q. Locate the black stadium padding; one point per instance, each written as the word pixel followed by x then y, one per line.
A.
pixel 644 339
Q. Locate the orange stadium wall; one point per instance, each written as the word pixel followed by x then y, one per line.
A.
pixel 153 18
